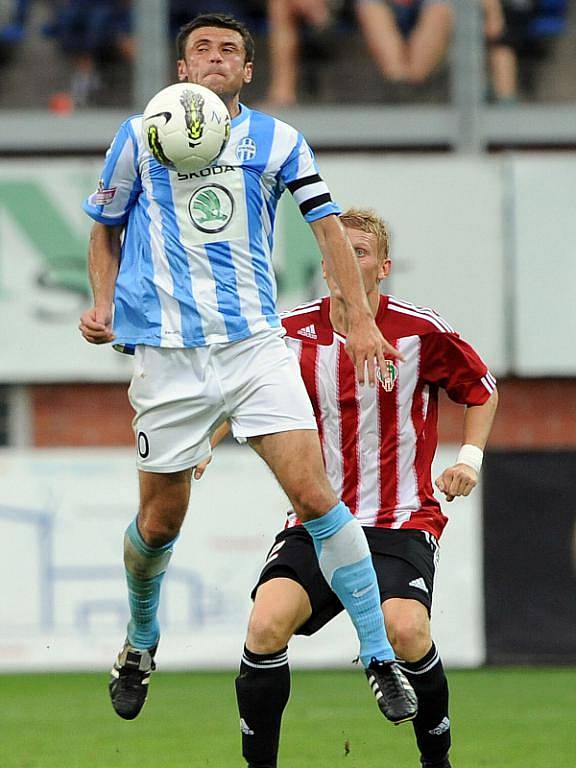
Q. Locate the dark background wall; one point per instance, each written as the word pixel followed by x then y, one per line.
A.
pixel 530 556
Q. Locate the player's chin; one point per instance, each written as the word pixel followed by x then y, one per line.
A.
pixel 215 82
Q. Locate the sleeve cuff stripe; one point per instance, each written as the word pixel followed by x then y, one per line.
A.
pixel 314 202
pixel 488 384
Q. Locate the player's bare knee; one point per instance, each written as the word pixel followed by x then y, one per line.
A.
pixel 159 530
pixel 409 637
pixel 311 502
pixel 267 633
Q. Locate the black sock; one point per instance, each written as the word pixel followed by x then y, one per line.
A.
pixel 432 724
pixel 262 692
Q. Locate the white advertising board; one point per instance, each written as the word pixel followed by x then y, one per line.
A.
pixel 545 265
pixel 64 606
pixel 43 274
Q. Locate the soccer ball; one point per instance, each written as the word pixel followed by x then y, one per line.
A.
pixel 186 127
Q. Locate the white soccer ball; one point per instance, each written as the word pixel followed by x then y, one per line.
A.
pixel 186 127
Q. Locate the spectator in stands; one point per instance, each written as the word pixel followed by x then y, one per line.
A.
pixel 407 38
pixel 12 32
pixel 88 30
pixel 521 28
pixel 286 20
pixel 507 31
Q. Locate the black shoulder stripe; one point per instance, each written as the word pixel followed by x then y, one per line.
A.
pixel 315 202
pixel 294 185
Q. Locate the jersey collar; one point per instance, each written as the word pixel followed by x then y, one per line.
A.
pixel 244 114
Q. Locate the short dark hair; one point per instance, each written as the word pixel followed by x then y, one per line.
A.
pixel 222 20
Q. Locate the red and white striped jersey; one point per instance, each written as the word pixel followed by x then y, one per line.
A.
pixel 379 443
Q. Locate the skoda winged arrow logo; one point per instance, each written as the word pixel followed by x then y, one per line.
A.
pixel 211 208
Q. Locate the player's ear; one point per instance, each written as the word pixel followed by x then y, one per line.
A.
pixel 248 72
pixel 181 69
pixel 384 269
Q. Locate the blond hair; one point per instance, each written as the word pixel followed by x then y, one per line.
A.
pixel 367 220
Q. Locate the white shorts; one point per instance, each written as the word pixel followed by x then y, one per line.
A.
pixel 181 395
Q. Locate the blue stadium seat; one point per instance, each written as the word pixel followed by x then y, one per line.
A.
pixel 13 32
pixel 550 20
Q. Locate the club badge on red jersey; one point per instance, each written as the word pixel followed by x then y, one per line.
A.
pixel 387 377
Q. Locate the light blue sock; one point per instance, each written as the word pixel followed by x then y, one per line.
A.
pixel 346 564
pixel 145 568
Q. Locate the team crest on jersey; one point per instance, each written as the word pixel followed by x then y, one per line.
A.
pixel 211 208
pixel 387 377
pixel 246 149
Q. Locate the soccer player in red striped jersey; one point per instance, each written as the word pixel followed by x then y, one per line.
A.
pixel 378 445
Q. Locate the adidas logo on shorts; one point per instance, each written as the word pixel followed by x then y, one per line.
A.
pixel 419 584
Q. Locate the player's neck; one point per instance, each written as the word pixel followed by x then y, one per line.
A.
pixel 338 316
pixel 233 105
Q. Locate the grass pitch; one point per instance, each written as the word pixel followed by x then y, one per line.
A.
pixel 502 718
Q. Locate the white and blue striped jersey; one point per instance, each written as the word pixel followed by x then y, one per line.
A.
pixel 196 262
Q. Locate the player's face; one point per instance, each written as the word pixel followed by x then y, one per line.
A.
pixel 215 58
pixel 373 270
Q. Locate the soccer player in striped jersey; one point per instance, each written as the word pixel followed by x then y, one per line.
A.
pixel 378 446
pixel 190 290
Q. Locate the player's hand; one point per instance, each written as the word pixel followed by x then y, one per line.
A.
pixel 459 480
pixel 96 326
pixel 199 469
pixel 367 348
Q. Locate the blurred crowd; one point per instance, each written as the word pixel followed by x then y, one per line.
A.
pixel 408 41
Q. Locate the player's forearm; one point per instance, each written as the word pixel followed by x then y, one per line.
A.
pixel 478 421
pixel 103 262
pixel 343 265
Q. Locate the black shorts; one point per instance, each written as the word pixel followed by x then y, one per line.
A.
pixel 404 561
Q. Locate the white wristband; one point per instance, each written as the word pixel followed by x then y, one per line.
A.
pixel 470 455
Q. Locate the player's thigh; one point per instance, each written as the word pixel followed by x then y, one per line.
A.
pixel 176 406
pixel 281 606
pixel 405 565
pixel 430 38
pixel 295 458
pixel 292 558
pixel 269 406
